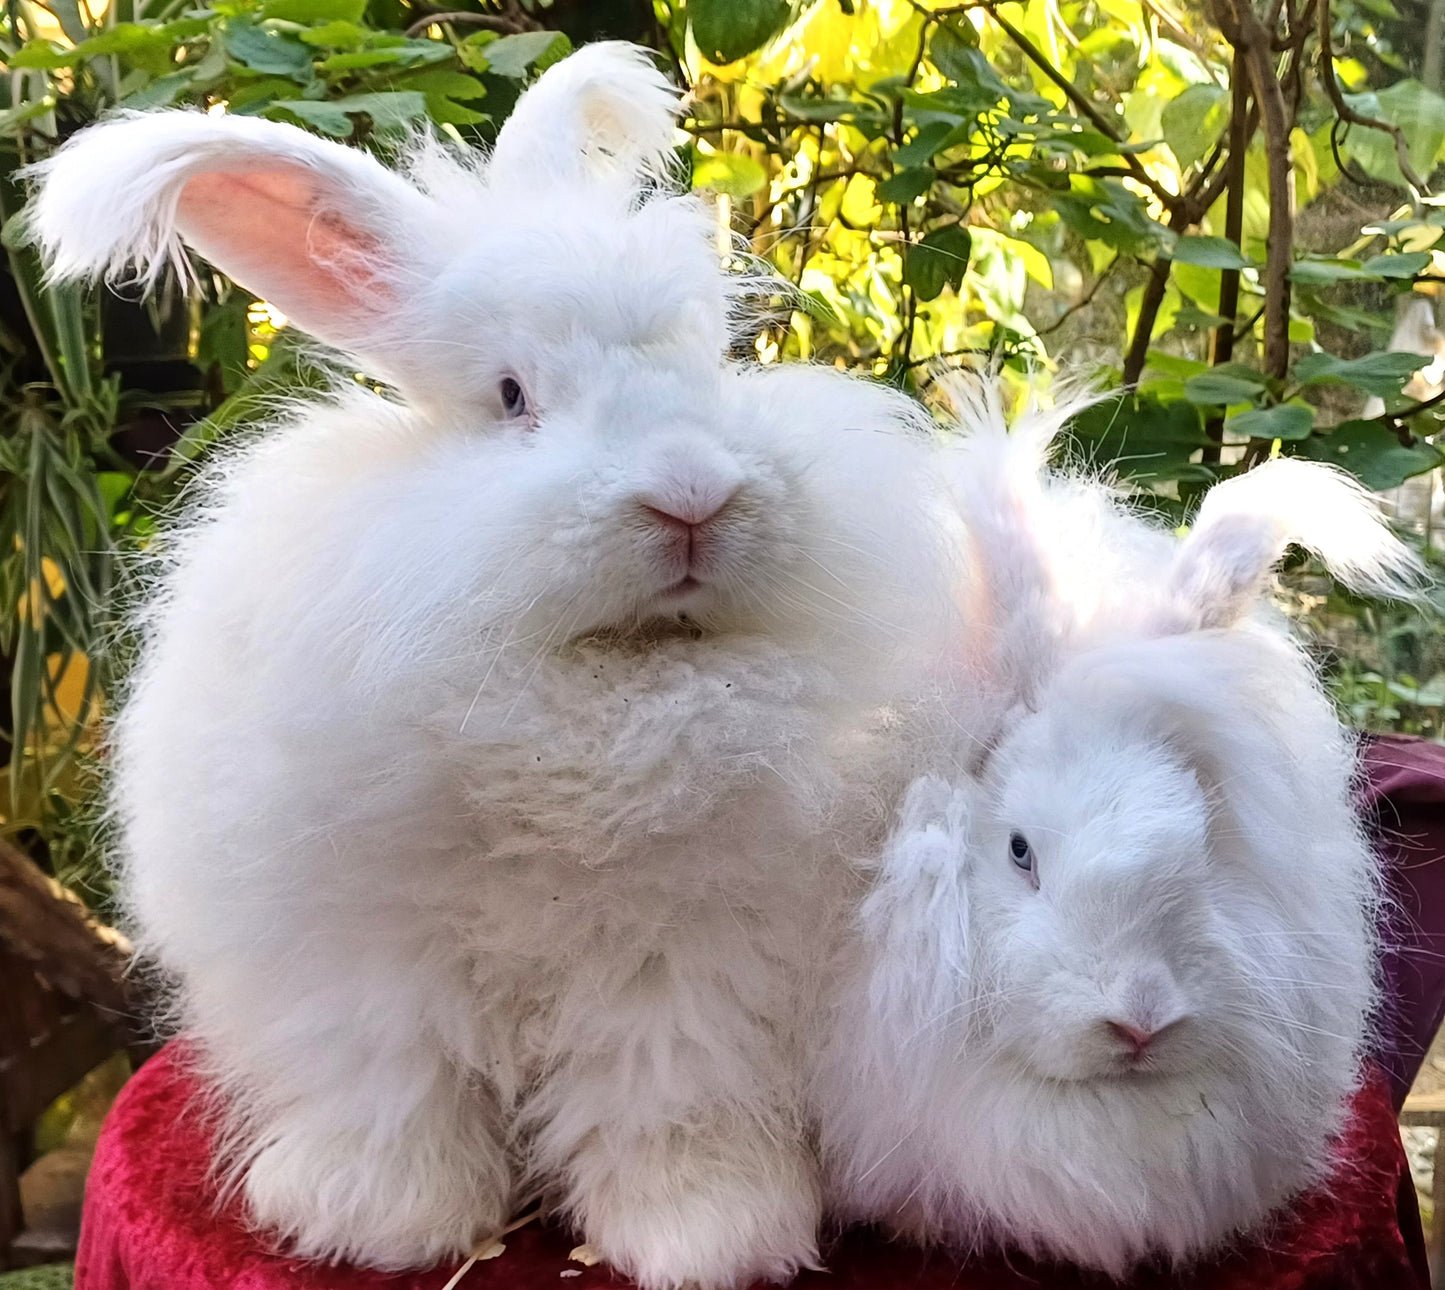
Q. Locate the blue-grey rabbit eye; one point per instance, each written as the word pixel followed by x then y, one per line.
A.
pixel 1020 851
pixel 514 398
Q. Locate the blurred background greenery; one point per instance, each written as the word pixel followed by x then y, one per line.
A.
pixel 1227 212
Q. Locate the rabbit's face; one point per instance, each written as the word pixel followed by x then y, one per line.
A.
pixel 1102 957
pixel 649 479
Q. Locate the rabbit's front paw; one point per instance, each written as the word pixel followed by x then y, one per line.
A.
pixel 383 1206
pixel 699 1222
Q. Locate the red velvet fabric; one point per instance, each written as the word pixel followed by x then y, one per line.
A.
pixel 152 1223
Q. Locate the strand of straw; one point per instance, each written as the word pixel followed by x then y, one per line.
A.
pixel 489 1247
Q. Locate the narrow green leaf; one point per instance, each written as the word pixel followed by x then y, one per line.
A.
pixel 311 11
pixel 1218 388
pixel 1284 421
pixel 387 111
pixel 1209 253
pixel 1382 373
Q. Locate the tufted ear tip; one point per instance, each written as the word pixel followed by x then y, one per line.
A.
pixel 604 110
pixel 1245 524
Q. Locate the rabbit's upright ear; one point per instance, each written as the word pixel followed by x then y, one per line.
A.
pixel 313 227
pixel 1244 525
pixel 605 111
pixel 997 475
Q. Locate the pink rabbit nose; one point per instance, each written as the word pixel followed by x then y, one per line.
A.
pixel 686 515
pixel 692 517
pixel 1136 1037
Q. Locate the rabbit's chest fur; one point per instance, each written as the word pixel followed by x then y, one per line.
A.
pixel 598 750
pixel 639 816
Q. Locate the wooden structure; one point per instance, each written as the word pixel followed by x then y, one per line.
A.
pixel 64 1008
pixel 1429 1109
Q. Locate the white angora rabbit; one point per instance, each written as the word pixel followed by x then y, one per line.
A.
pixel 482 779
pixel 1106 1000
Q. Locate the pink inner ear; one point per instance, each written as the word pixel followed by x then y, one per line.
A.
pixel 267 229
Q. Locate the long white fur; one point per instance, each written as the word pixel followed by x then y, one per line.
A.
pixel 1185 787
pixel 483 863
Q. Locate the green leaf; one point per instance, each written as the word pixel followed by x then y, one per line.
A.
pixel 734 173
pixel 528 50
pixel 821 110
pixel 1106 211
pixel 1396 266
pixel 268 51
pixel 1381 373
pixel 949 45
pixel 364 58
pixel 1209 253
pixel 257 96
pixel 1193 120
pixel 1373 453
pixel 1192 318
pixel 726 30
pixel 161 92
pixel 313 11
pixel 440 80
pixel 907 185
pixel 1429 695
pixel 1224 386
pixel 336 35
pixel 925 145
pixel 389 111
pixel 223 340
pixel 43 55
pixel 149 48
pixel 446 91
pixel 1175 364
pixel 1141 437
pixel 965 65
pixel 10 118
pixel 1285 421
pixel 1321 272
pixel 939 260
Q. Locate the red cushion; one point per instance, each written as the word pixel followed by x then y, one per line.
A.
pixel 152 1223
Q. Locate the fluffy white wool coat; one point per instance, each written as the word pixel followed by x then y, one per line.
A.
pixel 490 836
pixel 1137 817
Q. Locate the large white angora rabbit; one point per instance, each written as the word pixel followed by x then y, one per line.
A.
pixel 1107 998
pixel 483 776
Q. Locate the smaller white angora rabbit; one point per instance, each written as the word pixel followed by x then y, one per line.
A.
pixel 489 778
pixel 1107 998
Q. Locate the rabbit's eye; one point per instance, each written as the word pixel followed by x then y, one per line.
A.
pixel 514 398
pixel 1020 852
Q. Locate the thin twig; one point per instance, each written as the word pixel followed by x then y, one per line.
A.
pixel 1222 343
pixel 1244 30
pixel 1348 114
pixel 1425 405
pixel 1083 303
pixel 509 26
